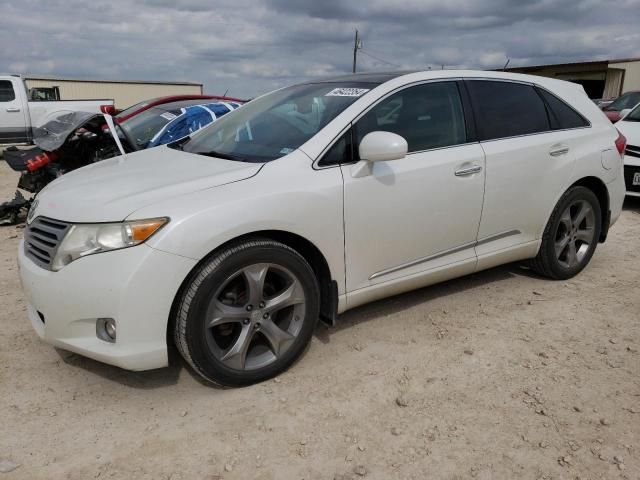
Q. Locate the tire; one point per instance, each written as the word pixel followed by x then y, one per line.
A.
pixel 228 340
pixel 570 225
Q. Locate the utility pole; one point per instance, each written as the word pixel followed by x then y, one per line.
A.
pixel 357 44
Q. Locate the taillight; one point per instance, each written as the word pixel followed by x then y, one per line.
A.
pixel 621 143
pixel 109 109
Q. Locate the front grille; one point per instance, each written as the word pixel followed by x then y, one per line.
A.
pixel 630 173
pixel 632 151
pixel 41 240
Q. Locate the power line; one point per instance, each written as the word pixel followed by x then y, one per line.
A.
pixel 380 59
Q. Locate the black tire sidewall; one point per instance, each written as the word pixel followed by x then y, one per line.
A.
pixel 201 356
pixel 548 247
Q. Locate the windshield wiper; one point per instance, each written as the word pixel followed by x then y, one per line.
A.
pixel 226 156
pixel 179 144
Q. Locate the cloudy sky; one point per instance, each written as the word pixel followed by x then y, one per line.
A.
pixel 251 46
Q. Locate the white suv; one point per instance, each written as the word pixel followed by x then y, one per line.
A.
pixel 312 200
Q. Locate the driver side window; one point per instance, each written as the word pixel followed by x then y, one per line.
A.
pixel 427 116
pixel 6 91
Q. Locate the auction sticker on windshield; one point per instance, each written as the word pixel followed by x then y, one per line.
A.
pixel 168 116
pixel 347 92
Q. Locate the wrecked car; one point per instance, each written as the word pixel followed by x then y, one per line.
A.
pixel 75 139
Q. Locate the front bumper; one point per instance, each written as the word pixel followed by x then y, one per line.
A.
pixel 135 286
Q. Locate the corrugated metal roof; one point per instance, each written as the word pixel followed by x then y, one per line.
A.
pixel 569 64
pixel 98 80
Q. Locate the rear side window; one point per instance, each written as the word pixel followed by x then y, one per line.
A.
pixel 506 109
pixel 561 115
pixel 6 91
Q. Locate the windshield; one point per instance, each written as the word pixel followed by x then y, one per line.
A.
pixel 133 108
pixel 634 115
pixel 628 100
pixel 170 122
pixel 277 123
pixel 142 128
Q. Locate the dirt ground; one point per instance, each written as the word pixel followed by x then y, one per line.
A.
pixel 500 375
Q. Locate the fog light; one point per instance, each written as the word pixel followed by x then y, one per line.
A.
pixel 106 329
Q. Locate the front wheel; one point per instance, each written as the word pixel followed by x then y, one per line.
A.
pixel 247 313
pixel 571 235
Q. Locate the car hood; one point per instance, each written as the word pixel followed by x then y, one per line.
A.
pixel 631 131
pixel 53 134
pixel 112 189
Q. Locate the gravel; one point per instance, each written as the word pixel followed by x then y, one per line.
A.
pixel 504 412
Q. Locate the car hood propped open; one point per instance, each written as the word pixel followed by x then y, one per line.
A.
pixel 110 190
pixel 53 134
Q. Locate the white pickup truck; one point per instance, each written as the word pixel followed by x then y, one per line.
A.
pixel 19 115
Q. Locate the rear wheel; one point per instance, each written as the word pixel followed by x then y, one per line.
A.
pixel 247 313
pixel 571 235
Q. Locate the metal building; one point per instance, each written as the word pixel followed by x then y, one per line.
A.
pixel 123 92
pixel 600 78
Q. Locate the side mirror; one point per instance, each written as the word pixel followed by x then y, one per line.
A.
pixel 382 146
pixel 624 112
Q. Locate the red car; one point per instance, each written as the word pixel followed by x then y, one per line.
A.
pixel 133 110
pixel 626 100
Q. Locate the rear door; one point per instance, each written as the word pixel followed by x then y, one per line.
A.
pixel 527 162
pixel 13 121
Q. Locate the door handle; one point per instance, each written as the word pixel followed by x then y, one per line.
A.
pixel 13 109
pixel 558 150
pixel 463 172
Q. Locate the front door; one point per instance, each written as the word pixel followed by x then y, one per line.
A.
pixel 422 212
pixel 13 123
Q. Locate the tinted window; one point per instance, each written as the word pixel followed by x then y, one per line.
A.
pixel 562 115
pixel 426 116
pixel 340 152
pixel 505 109
pixel 6 91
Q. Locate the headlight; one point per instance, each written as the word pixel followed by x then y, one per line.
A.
pixel 86 239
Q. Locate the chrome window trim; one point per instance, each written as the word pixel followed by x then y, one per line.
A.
pixel 531 134
pixel 315 165
pixel 443 148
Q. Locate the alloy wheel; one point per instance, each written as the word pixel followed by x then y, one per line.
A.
pixel 575 233
pixel 255 316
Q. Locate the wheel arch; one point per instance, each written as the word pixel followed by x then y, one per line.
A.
pixel 600 190
pixel 310 252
